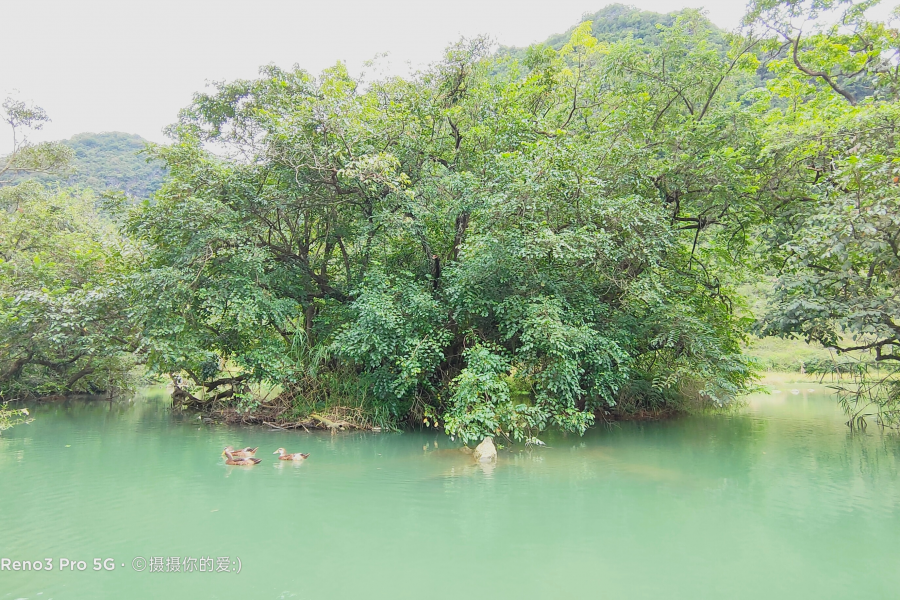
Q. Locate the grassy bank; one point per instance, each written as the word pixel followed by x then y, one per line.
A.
pixel 787 356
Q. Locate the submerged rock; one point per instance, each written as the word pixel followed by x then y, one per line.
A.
pixel 485 451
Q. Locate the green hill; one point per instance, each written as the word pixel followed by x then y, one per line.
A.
pixel 609 24
pixel 111 161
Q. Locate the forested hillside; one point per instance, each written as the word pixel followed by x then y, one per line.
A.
pixel 110 161
pixel 615 22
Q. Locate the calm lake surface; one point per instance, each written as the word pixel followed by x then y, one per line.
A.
pixel 780 501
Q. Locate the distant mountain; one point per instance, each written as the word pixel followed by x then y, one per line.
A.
pixel 111 161
pixel 610 24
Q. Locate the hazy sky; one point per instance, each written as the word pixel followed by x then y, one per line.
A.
pixel 122 65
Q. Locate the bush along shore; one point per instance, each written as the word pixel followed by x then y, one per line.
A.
pixel 215 401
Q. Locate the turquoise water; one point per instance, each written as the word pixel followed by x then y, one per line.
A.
pixel 780 501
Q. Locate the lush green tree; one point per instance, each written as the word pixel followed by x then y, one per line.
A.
pixel 64 325
pixel 495 252
pixel 833 167
pixel 26 157
pixel 64 322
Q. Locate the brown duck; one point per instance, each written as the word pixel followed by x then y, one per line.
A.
pixel 230 459
pixel 282 455
pixel 242 453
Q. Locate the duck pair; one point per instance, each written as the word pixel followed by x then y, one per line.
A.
pixel 244 456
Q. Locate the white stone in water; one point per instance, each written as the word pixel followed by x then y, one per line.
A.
pixel 485 451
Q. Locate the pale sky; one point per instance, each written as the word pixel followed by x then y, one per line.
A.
pixel 124 65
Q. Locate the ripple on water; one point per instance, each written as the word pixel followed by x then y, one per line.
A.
pixel 784 488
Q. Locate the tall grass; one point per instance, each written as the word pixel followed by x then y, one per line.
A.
pixel 332 390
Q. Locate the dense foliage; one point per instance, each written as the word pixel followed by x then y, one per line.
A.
pixel 833 236
pixel 64 321
pixel 502 253
pixel 503 242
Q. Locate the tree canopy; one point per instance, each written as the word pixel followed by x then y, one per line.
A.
pixel 566 228
pixel 834 226
pixel 64 320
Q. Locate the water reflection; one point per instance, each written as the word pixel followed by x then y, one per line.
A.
pixel 704 503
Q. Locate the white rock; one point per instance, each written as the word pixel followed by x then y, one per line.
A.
pixel 485 451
